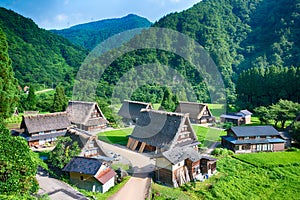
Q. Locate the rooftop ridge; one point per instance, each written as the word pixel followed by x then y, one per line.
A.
pixel 137 102
pixel 82 102
pixel 45 115
pixel 165 112
pixel 189 102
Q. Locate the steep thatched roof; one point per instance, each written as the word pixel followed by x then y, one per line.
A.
pixel 177 155
pixel 85 141
pixel 80 112
pixel 131 109
pixel 160 128
pixel 45 122
pixel 194 109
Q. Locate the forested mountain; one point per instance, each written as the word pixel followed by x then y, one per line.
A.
pixel 39 56
pixel 88 35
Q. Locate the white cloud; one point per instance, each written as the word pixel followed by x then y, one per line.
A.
pixel 61 17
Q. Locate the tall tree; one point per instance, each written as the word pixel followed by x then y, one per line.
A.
pixel 60 99
pixel 167 102
pixel 31 99
pixel 17 166
pixel 8 84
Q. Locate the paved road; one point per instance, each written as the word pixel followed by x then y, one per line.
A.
pixel 57 190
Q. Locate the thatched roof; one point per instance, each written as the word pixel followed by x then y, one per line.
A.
pixel 45 122
pixel 160 128
pixel 194 109
pixel 79 112
pixel 131 109
pixel 85 141
pixel 177 155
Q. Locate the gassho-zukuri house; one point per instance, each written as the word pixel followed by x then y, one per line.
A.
pixel 90 174
pixel 247 139
pixel 159 131
pixel 199 113
pixel 86 115
pixel 130 110
pixel 181 165
pixel 44 128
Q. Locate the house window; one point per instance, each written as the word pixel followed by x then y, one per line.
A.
pixel 53 131
pixel 41 133
pixel 237 147
pixel 246 138
pixel 257 137
pixel 81 178
pixel 268 137
pixel 178 164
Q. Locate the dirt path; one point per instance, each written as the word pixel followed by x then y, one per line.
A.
pixel 134 189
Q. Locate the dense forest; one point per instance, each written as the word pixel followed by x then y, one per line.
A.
pixel 239 35
pixel 90 34
pixel 39 56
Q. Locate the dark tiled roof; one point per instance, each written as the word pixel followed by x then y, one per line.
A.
pixel 258 141
pixel 159 128
pixel 131 109
pixel 241 131
pixel 194 109
pixel 79 112
pixel 177 155
pixel 105 175
pixel 45 122
pixel 83 165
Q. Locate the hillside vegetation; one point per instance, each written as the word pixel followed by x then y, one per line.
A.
pixel 39 56
pixel 91 34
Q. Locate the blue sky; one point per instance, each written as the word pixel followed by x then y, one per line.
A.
pixel 58 14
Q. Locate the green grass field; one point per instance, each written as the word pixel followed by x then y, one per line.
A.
pixel 115 136
pixel 271 159
pixel 240 180
pixel 217 109
pixel 207 136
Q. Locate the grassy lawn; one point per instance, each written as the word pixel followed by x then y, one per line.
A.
pixel 217 109
pixel 115 136
pixel 207 136
pixel 106 195
pixel 240 180
pixel 271 159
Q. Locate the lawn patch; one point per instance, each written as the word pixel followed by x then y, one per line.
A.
pixel 119 136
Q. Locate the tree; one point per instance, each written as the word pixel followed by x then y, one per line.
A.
pixel 17 165
pixel 263 114
pixel 60 99
pixel 296 131
pixel 64 151
pixel 31 100
pixel 167 102
pixel 8 84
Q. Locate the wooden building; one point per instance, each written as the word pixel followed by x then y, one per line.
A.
pixel 199 113
pixel 89 144
pixel 86 115
pixel 44 128
pixel 239 118
pixel 160 131
pixel 247 139
pixel 181 165
pixel 130 110
pixel 90 174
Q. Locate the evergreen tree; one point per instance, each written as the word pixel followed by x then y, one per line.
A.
pixel 167 103
pixel 60 99
pixel 8 84
pixel 31 99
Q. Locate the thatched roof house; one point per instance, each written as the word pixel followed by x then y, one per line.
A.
pixel 86 115
pixel 130 110
pixel 90 174
pixel 160 131
pixel 90 146
pixel 199 113
pixel 42 128
pixel 181 165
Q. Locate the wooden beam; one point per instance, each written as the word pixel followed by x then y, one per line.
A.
pixel 142 147
pixel 135 145
pixel 129 142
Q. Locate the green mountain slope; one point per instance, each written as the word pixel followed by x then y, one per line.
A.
pixel 242 34
pixel 90 34
pixel 39 56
